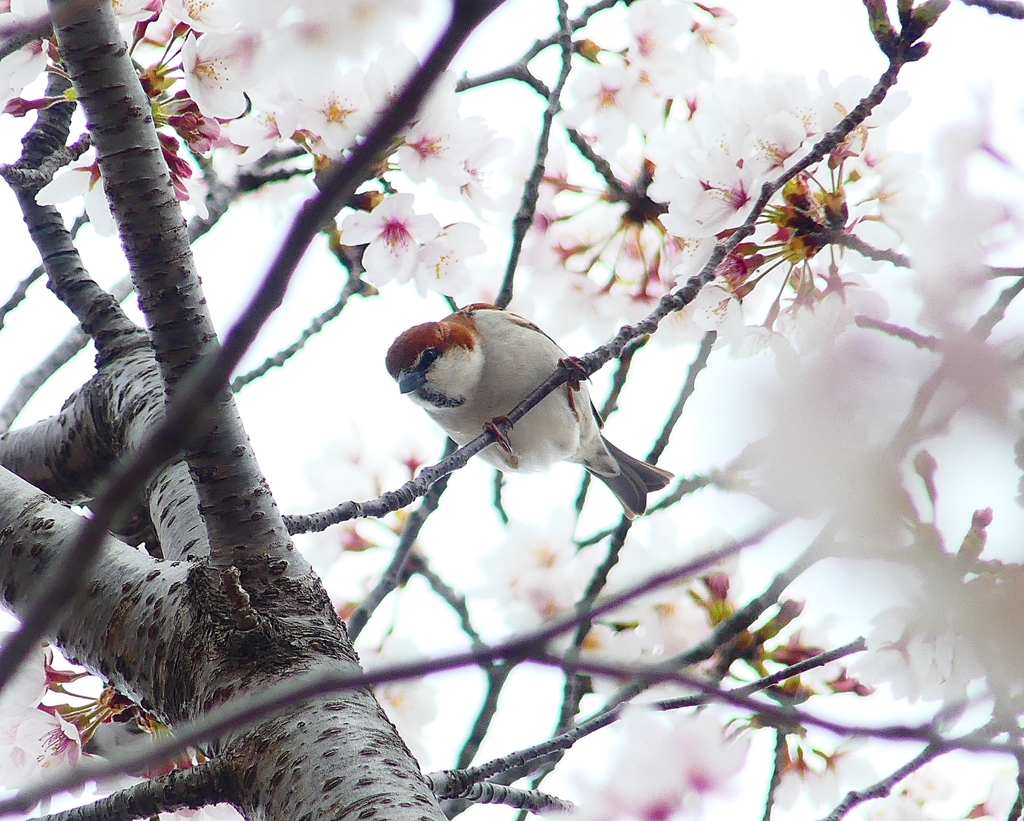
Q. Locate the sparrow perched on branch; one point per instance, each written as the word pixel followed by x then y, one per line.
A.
pixel 474 366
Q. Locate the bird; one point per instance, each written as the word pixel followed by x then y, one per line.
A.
pixel 471 368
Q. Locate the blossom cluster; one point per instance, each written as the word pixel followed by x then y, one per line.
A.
pixel 225 75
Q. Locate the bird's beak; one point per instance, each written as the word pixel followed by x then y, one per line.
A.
pixel 408 381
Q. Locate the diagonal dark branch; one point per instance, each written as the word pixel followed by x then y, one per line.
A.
pixel 452 782
pixel 28 31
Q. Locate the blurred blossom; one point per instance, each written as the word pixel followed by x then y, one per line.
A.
pixel 916 657
pixel 829 425
pixel 537 573
pixel 664 767
pixel 218 16
pixel 949 248
pixel 212 812
pixel 823 777
pixel 35 741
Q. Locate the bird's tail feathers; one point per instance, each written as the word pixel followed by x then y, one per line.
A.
pixel 634 481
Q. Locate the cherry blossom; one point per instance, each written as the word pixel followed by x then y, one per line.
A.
pixel 137 11
pixel 610 99
pixel 824 776
pixel 915 660
pixel 443 259
pixel 332 107
pixel 260 133
pixel 78 181
pixel 216 68
pixel 437 145
pixel 394 235
pixel 656 28
pixel 32 741
pixel 217 16
pixel 664 767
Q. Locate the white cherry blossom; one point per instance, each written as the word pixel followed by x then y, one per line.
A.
pixel 332 106
pixel 443 259
pixel 81 181
pixel 219 16
pixel 217 66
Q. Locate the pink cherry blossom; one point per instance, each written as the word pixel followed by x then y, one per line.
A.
pixel 260 133
pixel 437 145
pixel 35 740
pixel 394 234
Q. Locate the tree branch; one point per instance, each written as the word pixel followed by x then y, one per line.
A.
pixel 393 574
pixel 273 699
pixel 1005 8
pixel 882 788
pixel 531 190
pixel 208 783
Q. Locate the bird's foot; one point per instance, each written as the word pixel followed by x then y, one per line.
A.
pixel 499 427
pixel 573 365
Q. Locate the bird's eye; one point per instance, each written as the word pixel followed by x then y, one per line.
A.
pixel 427 358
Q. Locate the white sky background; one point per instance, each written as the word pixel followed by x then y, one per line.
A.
pixel 337 389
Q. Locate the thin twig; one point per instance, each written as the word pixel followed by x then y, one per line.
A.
pixel 781 750
pixel 455 781
pixel 418 564
pixel 928 343
pixel 497 675
pixel 855 243
pixel 699 363
pixel 1005 8
pixel 882 788
pixel 515 71
pixel 531 190
pixel 391 577
pixel 354 285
